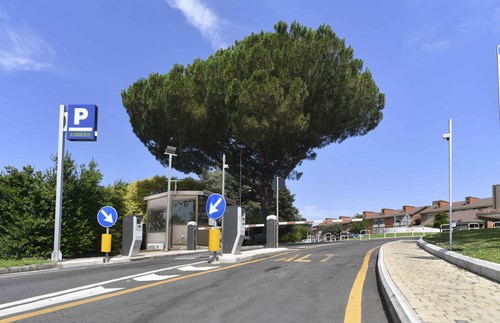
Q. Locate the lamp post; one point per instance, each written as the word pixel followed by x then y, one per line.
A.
pixel 170 151
pixel 448 136
pixel 240 178
pixel 224 166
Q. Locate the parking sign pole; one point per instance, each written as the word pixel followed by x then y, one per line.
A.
pixel 56 254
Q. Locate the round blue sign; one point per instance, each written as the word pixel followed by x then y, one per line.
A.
pixel 107 216
pixel 216 206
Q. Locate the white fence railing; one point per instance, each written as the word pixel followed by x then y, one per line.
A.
pixel 413 230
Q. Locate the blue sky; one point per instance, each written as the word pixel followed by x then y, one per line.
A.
pixel 433 60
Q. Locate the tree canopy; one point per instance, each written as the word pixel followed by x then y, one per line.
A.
pixel 269 100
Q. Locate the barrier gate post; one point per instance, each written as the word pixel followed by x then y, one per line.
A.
pixel 271 232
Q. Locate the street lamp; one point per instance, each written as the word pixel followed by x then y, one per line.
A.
pixel 448 136
pixel 170 151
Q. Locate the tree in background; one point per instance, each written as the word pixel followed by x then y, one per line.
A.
pixel 25 203
pixel 334 228
pixel 296 234
pixel 441 218
pixel 270 100
pixel 137 190
pixel 27 210
pixel 356 227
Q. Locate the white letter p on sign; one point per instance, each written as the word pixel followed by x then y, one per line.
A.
pixel 80 114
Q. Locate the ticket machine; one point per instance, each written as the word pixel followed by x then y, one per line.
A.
pixel 132 235
pixel 233 230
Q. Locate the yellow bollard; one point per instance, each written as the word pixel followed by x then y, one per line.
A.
pixel 214 239
pixel 106 242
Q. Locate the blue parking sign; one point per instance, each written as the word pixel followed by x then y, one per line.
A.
pixel 82 122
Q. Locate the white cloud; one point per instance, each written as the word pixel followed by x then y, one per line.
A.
pixel 426 39
pixel 202 18
pixel 21 48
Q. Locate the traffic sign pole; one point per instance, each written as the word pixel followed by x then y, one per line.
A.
pixel 216 206
pixel 56 254
pixel 70 125
pixel 107 217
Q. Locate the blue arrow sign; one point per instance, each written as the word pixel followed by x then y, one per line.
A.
pixel 107 216
pixel 216 206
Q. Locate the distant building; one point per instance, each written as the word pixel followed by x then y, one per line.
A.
pixel 483 211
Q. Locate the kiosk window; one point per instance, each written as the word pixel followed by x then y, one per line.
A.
pixel 156 220
pixel 183 211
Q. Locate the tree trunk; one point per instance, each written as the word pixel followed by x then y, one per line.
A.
pixel 266 196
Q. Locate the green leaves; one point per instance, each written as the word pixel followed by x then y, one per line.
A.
pixel 27 210
pixel 277 96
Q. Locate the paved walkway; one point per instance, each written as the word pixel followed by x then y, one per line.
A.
pixel 438 291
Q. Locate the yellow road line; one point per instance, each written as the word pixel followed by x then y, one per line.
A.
pixel 124 292
pixel 328 256
pixel 287 259
pixel 353 309
pixel 304 259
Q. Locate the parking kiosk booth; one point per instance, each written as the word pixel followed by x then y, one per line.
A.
pixel 186 206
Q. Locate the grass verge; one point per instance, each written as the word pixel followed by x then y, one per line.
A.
pixel 481 244
pixel 6 263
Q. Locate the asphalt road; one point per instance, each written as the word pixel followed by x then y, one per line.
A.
pixel 321 283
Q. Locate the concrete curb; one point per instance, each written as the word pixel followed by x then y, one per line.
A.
pixel 125 259
pixel 81 263
pixel 398 307
pixel 483 268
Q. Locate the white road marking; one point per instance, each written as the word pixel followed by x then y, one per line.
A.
pixel 193 268
pixel 57 300
pixel 71 290
pixel 153 277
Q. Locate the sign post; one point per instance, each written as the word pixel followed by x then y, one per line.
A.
pixel 56 254
pixel 107 217
pixel 80 124
pixel 216 206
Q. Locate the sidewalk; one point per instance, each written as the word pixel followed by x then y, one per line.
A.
pixel 420 287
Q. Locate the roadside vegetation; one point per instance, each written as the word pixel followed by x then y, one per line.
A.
pixel 7 263
pixel 481 244
pixel 27 209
